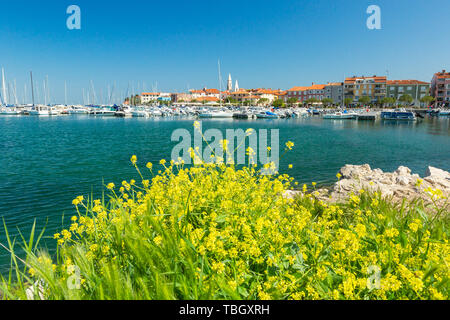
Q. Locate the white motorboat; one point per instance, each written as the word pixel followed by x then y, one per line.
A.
pixel 125 112
pixel 104 112
pixel 140 112
pixel 5 111
pixel 39 111
pixel 77 110
pixel 340 115
pixel 52 111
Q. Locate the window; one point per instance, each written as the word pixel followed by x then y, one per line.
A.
pixel 409 88
pixel 392 88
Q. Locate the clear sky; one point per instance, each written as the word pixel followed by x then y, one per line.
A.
pixel 177 44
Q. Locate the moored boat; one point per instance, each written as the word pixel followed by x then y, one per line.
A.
pixel 398 114
pixel 340 115
pixel 266 115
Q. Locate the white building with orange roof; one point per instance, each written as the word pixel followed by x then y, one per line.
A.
pixel 205 93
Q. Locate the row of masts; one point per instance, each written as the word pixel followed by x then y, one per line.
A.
pixel 9 94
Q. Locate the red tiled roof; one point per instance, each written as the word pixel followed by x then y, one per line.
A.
pixel 403 82
pixel 211 99
pixel 313 87
pixel 441 75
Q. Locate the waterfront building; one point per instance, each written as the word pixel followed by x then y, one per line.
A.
pixel 415 88
pixel 315 91
pixel 181 97
pixel 153 97
pixel 440 88
pixel 372 87
pixel 198 94
pixel 335 92
pixel 149 97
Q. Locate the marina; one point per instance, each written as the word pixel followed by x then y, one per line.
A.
pixel 211 112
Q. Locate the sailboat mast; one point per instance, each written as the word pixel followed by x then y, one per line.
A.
pixel 45 93
pixel 220 85
pixel 32 87
pixel 15 93
pixel 65 93
pixel 5 99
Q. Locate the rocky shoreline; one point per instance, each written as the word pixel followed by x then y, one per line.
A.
pixel 397 185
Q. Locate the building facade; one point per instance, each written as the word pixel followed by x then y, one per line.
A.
pixel 372 87
pixel 415 88
pixel 335 92
pixel 440 88
pixel 315 91
pixel 198 94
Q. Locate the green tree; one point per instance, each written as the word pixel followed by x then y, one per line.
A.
pixel 263 101
pixel 364 100
pixel 406 99
pixel 348 101
pixel 291 101
pixel 327 102
pixel 230 100
pixel 311 101
pixel 427 100
pixel 385 101
pixel 278 103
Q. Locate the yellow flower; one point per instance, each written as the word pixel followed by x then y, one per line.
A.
pixel 158 240
pixel 149 165
pixel 32 272
pixel 339 176
pixel 290 166
pixel 162 162
pixel 133 159
pixel 111 186
pixel 391 233
pixel 415 225
pixel 196 125
pixel 290 145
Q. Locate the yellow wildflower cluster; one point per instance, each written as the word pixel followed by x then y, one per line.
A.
pixel 214 231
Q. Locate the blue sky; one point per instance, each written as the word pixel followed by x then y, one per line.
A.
pixel 177 44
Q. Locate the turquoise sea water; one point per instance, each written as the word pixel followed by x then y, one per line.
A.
pixel 46 162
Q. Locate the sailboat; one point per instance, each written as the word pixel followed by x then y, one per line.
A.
pixel 37 110
pixel 222 112
pixel 4 109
